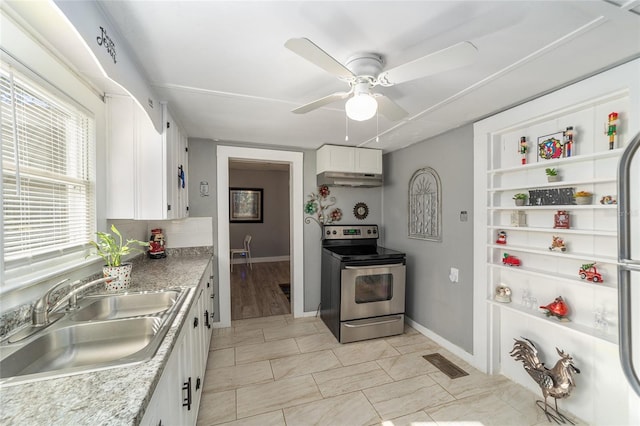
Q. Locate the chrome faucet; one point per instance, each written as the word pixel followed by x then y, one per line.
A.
pixel 41 310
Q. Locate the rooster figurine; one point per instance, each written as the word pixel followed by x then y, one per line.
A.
pixel 556 382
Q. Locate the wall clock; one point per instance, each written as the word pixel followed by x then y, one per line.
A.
pixel 360 211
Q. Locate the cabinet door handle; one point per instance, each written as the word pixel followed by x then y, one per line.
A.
pixel 186 402
pixel 198 383
pixel 195 322
pixel 206 319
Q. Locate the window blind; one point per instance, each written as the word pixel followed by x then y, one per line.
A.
pixel 48 176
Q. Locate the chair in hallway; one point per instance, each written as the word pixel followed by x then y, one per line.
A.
pixel 246 251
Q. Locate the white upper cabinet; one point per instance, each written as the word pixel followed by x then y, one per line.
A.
pixel 146 171
pixel 335 158
pixel 177 167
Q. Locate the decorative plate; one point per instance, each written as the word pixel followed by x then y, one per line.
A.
pixel 360 211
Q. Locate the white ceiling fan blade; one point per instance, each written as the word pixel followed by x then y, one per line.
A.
pixel 321 102
pixel 312 53
pixel 455 56
pixel 390 109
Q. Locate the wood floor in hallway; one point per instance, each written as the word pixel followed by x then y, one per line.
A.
pixel 256 292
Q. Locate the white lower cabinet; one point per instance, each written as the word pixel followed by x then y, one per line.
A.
pixel 176 399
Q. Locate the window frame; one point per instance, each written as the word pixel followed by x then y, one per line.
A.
pixel 32 269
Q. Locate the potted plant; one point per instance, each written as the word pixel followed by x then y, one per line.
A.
pixel 520 199
pixel 583 197
pixel 552 174
pixel 112 251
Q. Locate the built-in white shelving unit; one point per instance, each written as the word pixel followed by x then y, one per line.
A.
pixel 590 332
pixel 545 274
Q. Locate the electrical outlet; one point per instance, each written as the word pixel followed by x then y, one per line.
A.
pixel 454 275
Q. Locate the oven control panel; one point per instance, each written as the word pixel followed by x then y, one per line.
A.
pixel 349 232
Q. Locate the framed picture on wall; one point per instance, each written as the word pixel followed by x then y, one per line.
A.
pixel 245 205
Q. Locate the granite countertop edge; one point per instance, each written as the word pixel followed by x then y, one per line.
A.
pixel 114 396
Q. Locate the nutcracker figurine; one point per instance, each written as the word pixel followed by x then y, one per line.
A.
pixel 523 149
pixel 568 141
pixel 611 129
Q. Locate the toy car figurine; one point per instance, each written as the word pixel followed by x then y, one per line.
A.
pixel 509 260
pixel 589 272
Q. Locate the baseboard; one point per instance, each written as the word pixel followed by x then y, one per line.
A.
pixel 456 350
pixel 240 260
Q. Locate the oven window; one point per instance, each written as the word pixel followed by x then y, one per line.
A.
pixel 374 288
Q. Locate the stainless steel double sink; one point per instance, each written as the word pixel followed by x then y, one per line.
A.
pixel 106 331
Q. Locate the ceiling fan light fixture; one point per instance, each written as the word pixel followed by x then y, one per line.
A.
pixel 361 107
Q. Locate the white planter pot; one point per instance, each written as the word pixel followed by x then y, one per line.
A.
pixel 583 200
pixel 121 277
pixel 555 178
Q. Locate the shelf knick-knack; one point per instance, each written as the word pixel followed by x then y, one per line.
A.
pixel 589 272
pixel 561 220
pixel 568 141
pixel 611 129
pixel 520 198
pixel 552 174
pixel 583 197
pixel 518 218
pixel 523 148
pixel 557 244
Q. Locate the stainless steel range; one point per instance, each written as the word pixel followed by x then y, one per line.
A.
pixel 363 284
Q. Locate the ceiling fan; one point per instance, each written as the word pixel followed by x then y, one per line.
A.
pixel 364 71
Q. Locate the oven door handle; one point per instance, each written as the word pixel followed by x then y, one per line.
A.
pixel 390 265
pixel 373 322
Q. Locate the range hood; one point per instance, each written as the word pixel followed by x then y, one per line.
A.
pixel 361 180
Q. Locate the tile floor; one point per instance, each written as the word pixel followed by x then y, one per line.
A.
pixel 284 371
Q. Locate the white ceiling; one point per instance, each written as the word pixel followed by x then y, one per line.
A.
pixel 226 74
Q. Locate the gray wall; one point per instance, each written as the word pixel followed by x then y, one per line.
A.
pixel 432 300
pixel 271 237
pixel 202 162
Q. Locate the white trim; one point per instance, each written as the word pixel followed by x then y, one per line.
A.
pixel 457 351
pixel 295 160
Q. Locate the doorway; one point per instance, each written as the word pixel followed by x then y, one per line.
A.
pixel 260 277
pixel 295 162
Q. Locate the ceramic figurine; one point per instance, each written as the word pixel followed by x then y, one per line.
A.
pixel 608 199
pixel 611 129
pixel 503 294
pixel 523 149
pixel 557 244
pixel 558 308
pixel 510 260
pixel 502 238
pixel 568 141
pixel 589 272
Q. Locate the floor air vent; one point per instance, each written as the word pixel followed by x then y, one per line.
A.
pixel 446 366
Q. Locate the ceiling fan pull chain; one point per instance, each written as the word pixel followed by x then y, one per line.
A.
pixel 377 127
pixel 346 125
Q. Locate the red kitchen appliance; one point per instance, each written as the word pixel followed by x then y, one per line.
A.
pixel 156 244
